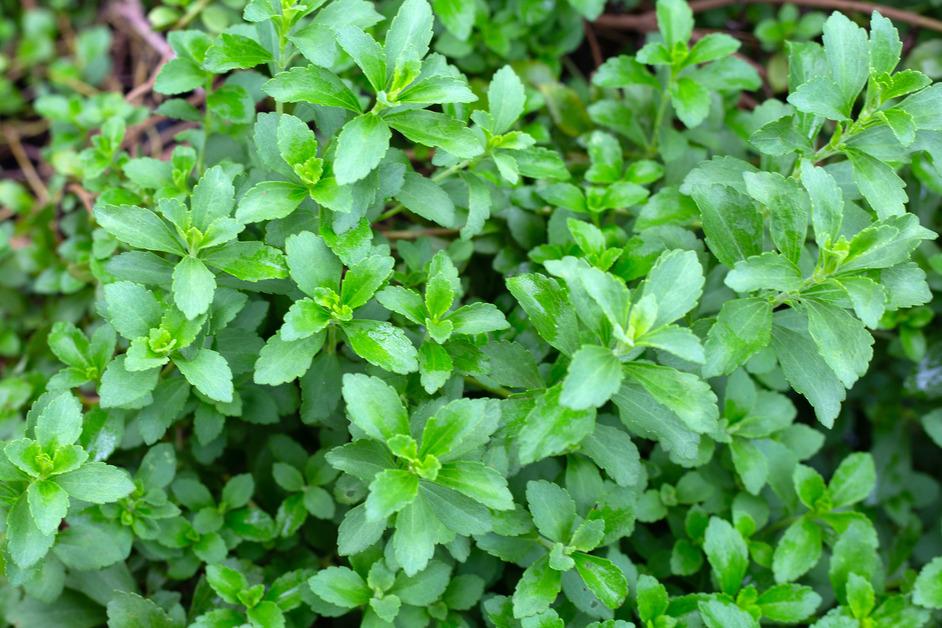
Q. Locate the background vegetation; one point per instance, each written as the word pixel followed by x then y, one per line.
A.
pixel 470 312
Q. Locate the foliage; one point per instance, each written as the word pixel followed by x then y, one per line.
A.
pixel 411 324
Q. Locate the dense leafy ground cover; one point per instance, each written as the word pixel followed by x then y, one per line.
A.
pixel 501 312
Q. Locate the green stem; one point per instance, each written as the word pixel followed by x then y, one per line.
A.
pixel 500 391
pixel 659 116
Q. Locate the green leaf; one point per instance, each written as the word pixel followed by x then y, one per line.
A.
pixel 209 373
pixel 25 542
pixel 382 344
pixel 551 428
pixel 129 610
pixel 48 504
pixel 927 590
pixel 553 510
pixel 436 129
pixel 675 282
pixel 374 406
pixel 731 223
pixel 213 197
pixel 97 482
pixel 341 586
pixel 675 21
pixel 505 99
pixel 842 340
pixel 742 328
pixel 879 184
pixel 821 96
pixel 477 318
pixel 788 209
pixel 193 287
pixel 827 202
pixel 788 603
pixel 232 52
pixel 593 377
pixel 312 264
pixel 797 551
pixel 281 361
pixel 459 427
pixel 537 589
pixel 712 47
pixel 179 75
pixel 848 52
pixel 417 530
pixel 138 227
pixel 807 372
pixel 456 15
pixel 361 145
pixel 390 491
pixel 768 271
pixel 547 306
pixel 270 200
pixel 123 388
pixel 691 101
pixel 726 550
pixel 722 614
pixel 885 45
pixel 364 278
pixel 312 84
pixel 408 37
pixel 366 53
pixel 603 578
pixel 652 598
pixel 689 397
pixel 60 421
pixel 853 480
pixel 478 481
pixel 249 261
pixel 424 197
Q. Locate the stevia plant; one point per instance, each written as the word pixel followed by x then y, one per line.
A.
pixel 401 317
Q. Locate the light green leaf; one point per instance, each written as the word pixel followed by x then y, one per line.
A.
pixel 270 200
pixel 726 550
pixel 312 84
pixel 97 482
pixel 138 227
pixel 374 406
pixel 593 377
pixel 361 145
pixel 193 286
pixel 797 551
pixel 436 129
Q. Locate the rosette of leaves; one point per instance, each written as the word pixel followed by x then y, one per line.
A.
pixel 606 336
pixel 158 336
pixel 148 504
pixel 255 604
pixel 209 530
pixel 567 540
pixel 46 471
pixel 385 594
pixel 306 493
pixel 203 236
pixel 434 312
pixel 615 186
pixel 433 488
pixel 85 358
pixel 685 80
pixel 330 305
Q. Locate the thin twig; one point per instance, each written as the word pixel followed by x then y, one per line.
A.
pixel 594 47
pixel 84 195
pixel 648 21
pixel 418 233
pixel 133 13
pixel 29 171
